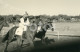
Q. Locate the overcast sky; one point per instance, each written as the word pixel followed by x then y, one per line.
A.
pixel 38 7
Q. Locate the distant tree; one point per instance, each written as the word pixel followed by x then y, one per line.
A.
pixel 64 17
pixel 9 18
pixel 1 18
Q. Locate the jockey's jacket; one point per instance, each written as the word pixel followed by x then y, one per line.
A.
pixel 20 29
pixel 22 20
pixel 22 26
pixel 27 23
pixel 39 27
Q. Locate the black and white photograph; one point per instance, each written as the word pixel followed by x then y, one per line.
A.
pixel 39 25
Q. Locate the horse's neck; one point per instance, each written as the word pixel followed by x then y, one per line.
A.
pixel 43 28
pixel 1 26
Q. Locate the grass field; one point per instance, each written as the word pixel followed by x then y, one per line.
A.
pixel 67 28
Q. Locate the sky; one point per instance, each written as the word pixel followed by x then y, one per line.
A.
pixel 40 7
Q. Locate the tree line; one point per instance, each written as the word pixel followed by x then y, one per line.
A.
pixel 57 18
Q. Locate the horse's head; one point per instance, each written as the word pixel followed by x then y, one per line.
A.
pixel 48 25
pixel 51 26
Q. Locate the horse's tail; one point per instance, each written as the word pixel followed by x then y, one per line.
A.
pixel 5 37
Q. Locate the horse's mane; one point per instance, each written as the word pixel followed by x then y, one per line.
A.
pixel 1 25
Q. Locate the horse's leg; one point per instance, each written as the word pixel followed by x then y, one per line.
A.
pixel 33 40
pixel 43 40
pixel 6 46
pixel 22 42
pixel 23 36
pixel 30 39
pixel 19 42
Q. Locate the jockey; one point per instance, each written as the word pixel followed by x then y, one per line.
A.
pixel 26 23
pixel 21 28
pixel 39 25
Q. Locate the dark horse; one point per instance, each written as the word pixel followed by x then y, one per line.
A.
pixel 44 28
pixel 28 35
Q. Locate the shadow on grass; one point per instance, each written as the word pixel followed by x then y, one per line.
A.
pixel 47 42
pixel 73 46
pixel 37 45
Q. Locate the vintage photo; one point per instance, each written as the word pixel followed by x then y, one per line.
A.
pixel 39 26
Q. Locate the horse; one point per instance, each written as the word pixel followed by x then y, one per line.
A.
pixel 10 36
pixel 44 28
